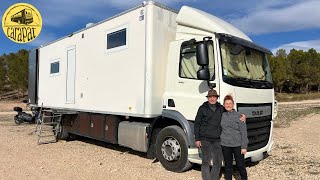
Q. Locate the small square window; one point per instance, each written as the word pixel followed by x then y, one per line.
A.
pixel 55 67
pixel 117 39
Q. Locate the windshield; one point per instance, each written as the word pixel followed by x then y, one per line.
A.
pixel 243 66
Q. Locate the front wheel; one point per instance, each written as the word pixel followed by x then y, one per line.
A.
pixel 16 119
pixel 172 149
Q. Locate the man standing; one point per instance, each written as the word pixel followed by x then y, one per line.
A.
pixel 207 136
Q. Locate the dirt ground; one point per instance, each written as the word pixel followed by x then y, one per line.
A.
pixel 295 155
pixel 7 106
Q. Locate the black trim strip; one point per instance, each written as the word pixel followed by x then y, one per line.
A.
pixel 253 105
pixel 259 119
pixel 243 42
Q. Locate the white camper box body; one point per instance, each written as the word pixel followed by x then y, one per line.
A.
pixel 128 80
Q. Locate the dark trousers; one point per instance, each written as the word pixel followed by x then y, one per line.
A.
pixel 211 155
pixel 228 154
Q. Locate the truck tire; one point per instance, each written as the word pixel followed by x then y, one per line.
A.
pixel 172 149
pixel 62 133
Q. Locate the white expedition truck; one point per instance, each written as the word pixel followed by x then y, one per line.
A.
pixel 138 78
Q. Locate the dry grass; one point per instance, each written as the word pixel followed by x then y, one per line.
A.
pixel 286 116
pixel 285 97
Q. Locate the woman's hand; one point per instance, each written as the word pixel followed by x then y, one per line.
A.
pixel 198 144
pixel 243 151
pixel 243 118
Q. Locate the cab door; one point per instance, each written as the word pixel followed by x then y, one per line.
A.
pixel 190 92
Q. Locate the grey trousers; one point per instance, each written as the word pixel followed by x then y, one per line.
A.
pixel 211 160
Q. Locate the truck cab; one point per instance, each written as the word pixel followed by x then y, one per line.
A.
pixel 235 65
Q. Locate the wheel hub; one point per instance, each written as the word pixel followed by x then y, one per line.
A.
pixel 171 149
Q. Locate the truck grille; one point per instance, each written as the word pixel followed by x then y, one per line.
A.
pixel 258 122
pixel 258 132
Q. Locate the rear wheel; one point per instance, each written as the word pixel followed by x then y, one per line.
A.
pixel 61 132
pixel 172 149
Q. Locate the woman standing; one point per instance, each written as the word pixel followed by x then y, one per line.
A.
pixel 234 140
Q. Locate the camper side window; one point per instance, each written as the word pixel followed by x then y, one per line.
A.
pixel 188 62
pixel 55 67
pixel 117 38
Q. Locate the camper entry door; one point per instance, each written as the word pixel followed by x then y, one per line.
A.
pixel 71 74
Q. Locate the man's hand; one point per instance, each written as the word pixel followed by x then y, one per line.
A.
pixel 243 151
pixel 243 118
pixel 198 144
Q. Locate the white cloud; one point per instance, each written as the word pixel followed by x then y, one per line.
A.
pixel 124 4
pixel 301 45
pixel 280 18
pixel 58 13
pixel 43 39
pixel 61 12
pixel 131 3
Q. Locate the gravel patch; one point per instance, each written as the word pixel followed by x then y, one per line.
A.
pixel 295 155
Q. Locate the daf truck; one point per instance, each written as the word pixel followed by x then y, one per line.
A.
pixel 137 80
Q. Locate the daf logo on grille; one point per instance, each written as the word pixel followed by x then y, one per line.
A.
pixel 257 113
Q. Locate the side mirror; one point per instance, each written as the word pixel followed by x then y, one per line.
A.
pixel 202 54
pixel 203 74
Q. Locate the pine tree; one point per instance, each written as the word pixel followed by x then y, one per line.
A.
pixel 3 75
pixel 18 70
pixel 279 69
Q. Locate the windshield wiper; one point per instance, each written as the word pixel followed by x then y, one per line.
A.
pixel 263 83
pixel 268 83
pixel 245 80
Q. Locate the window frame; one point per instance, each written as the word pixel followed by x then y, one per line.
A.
pixel 118 48
pixel 50 65
pixel 214 60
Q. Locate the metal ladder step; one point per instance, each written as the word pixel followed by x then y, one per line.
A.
pixel 47 124
pixel 47 130
pixel 50 123
pixel 44 136
pixel 47 142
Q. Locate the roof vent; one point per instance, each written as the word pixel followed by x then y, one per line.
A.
pixel 89 25
pixel 144 3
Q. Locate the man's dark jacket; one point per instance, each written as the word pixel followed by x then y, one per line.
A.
pixel 207 123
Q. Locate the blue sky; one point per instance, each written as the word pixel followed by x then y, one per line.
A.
pixel 273 24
